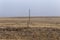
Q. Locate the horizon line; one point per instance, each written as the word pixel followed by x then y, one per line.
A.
pixel 28 16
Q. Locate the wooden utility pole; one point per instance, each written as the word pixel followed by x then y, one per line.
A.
pixel 28 23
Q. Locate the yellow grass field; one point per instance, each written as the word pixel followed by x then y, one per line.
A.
pixel 40 28
pixel 35 22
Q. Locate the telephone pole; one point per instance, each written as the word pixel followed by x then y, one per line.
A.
pixel 28 23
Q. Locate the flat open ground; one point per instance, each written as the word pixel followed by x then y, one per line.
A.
pixel 35 22
pixel 41 28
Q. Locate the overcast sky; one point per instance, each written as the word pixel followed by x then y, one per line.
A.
pixel 38 8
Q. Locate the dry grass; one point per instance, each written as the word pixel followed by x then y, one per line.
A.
pixel 40 28
pixel 35 22
pixel 34 33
